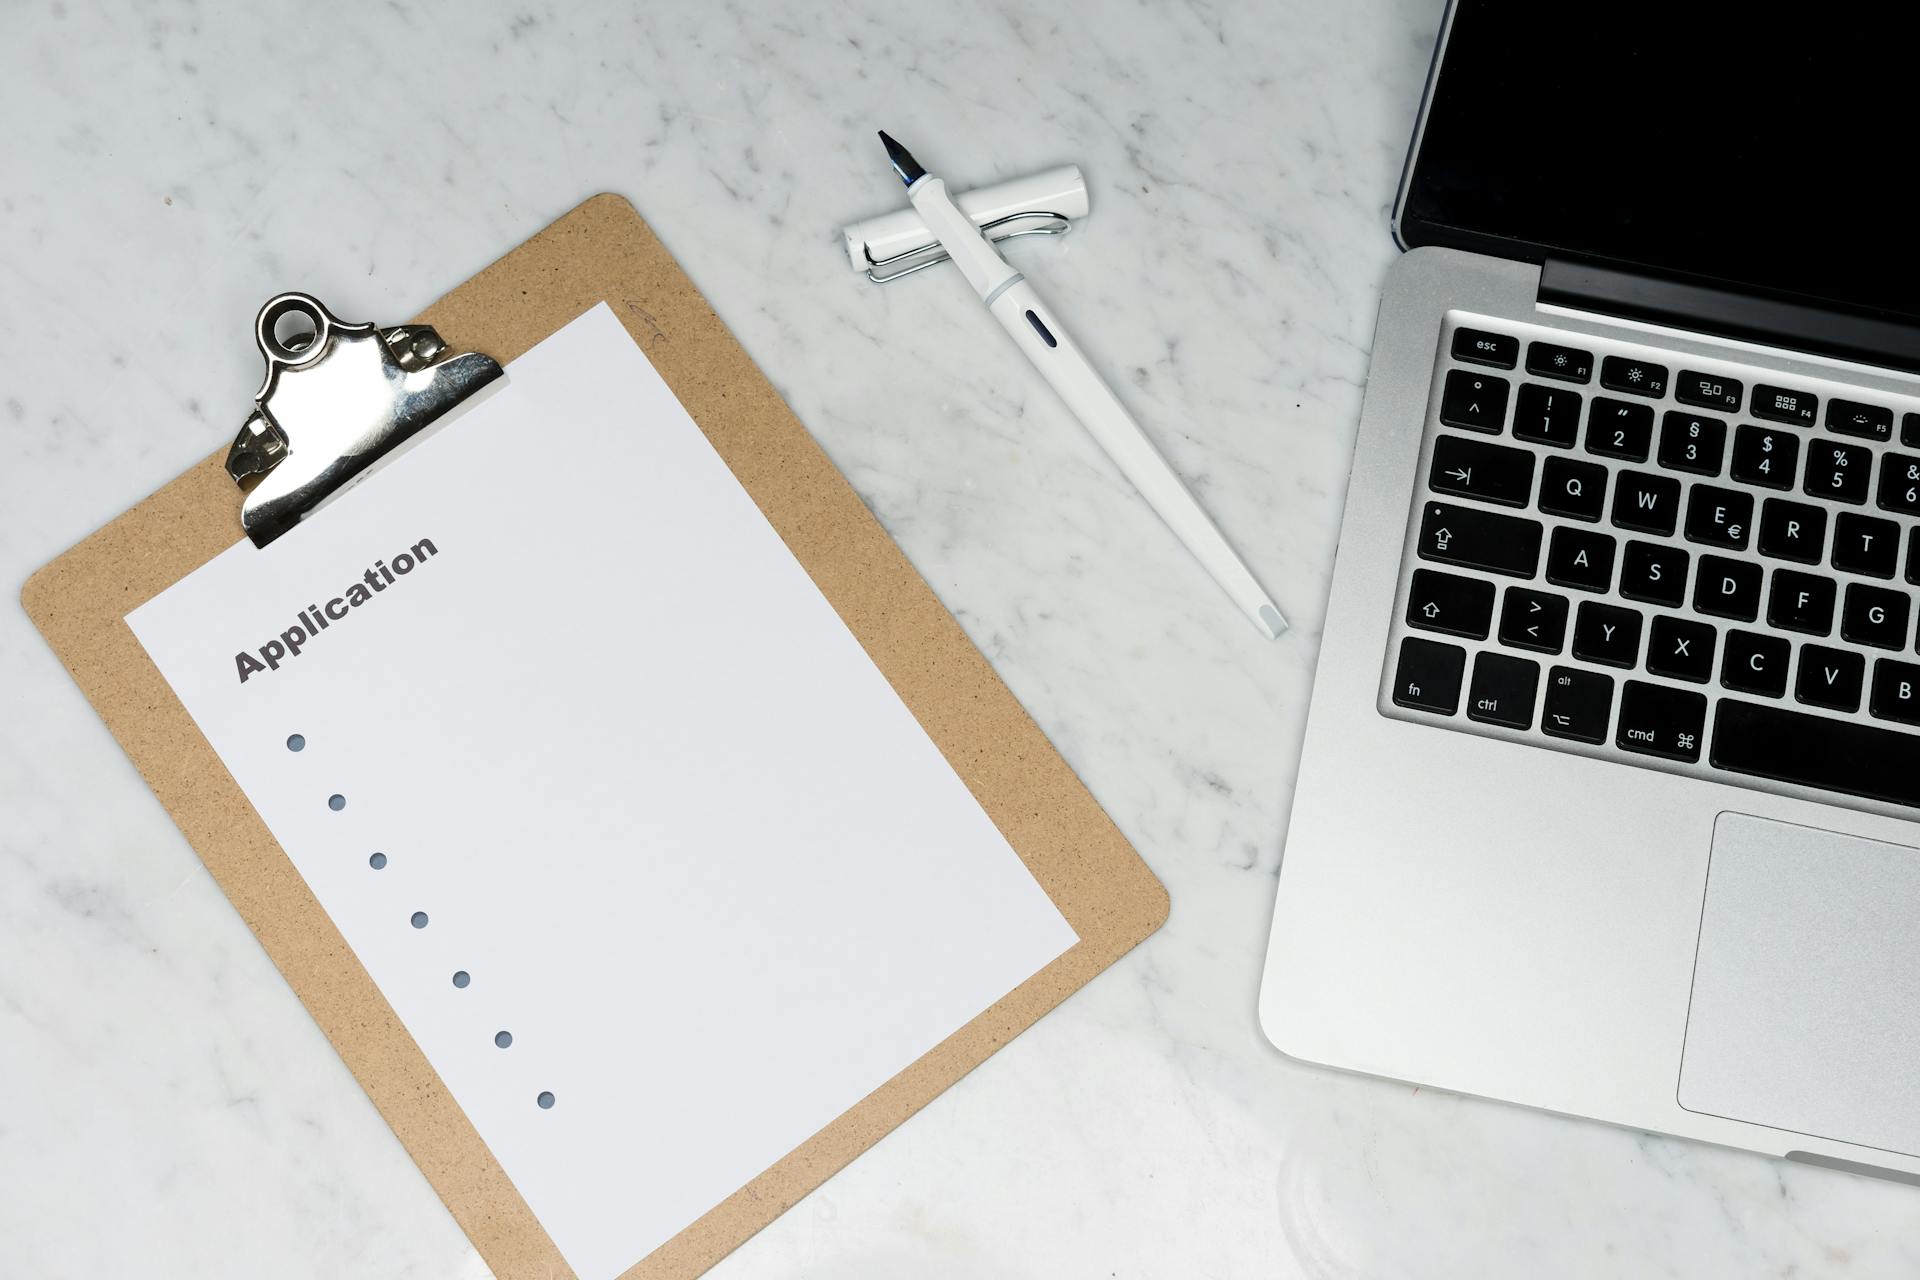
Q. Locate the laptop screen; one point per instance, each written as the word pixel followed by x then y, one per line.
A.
pixel 1768 147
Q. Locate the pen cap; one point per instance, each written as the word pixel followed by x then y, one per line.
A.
pixel 1059 190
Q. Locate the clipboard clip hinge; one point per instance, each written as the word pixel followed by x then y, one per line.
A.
pixel 339 400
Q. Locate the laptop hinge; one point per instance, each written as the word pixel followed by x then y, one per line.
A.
pixel 1706 308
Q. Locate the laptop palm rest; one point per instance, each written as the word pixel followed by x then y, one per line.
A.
pixel 1806 989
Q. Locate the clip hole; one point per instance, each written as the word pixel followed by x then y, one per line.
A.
pixel 295 329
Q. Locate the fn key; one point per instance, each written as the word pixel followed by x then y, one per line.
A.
pixel 1428 677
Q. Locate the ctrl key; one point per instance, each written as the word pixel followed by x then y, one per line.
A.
pixel 1428 677
pixel 1659 721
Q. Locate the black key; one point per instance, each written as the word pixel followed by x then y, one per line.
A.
pixel 1900 483
pixel 1658 721
pixel 1913 557
pixel 1875 616
pixel 1617 373
pixel 1447 602
pixel 1765 456
pixel 1534 620
pixel 1580 558
pixel 1554 361
pixel 1480 469
pixel 1719 517
pixel 1865 544
pixel 1792 530
pixel 1579 704
pixel 1816 751
pixel 1896 691
pixel 1727 588
pixel 1569 487
pixel 1428 677
pixel 1839 471
pixel 1868 421
pixel 1477 346
pixel 1800 602
pixel 1681 649
pixel 1708 391
pixel 1607 634
pixel 1755 663
pixel 1829 678
pixel 1503 690
pixel 1480 539
pixel 1617 429
pixel 1910 430
pixel 1646 503
pixel 1547 415
pixel 1691 442
pixel 1777 404
pixel 1475 401
pixel 1654 573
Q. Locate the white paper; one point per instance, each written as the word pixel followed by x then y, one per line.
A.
pixel 696 855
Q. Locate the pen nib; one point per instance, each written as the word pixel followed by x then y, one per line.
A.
pixel 902 161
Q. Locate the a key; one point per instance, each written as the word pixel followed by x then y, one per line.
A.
pixel 1646 503
pixel 1792 530
pixel 1617 429
pixel 1896 691
pixel 1503 690
pixel 1829 678
pixel 1719 517
pixel 1865 544
pixel 1654 573
pixel 1816 751
pixel 1428 677
pixel 1476 401
pixel 1875 616
pixel 1480 469
pixel 1867 421
pixel 1450 603
pixel 1547 415
pixel 1765 456
pixel 1534 620
pixel 1800 602
pixel 1692 442
pixel 1659 721
pixel 1578 705
pixel 1727 588
pixel 1900 482
pixel 1680 648
pixel 1778 404
pixel 1552 360
pixel 1569 487
pixel 1636 377
pixel 1581 558
pixel 1480 539
pixel 1755 663
pixel 1477 346
pixel 1708 390
pixel 1607 634
pixel 1838 471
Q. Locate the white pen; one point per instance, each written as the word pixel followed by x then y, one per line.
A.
pixel 1033 328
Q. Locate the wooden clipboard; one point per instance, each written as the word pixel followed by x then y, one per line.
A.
pixel 602 250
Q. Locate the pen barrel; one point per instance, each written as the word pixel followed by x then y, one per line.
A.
pixel 1033 326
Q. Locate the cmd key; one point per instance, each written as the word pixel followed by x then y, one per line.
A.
pixel 1659 721
pixel 1478 539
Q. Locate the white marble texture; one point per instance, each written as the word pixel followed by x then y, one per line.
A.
pixel 168 1108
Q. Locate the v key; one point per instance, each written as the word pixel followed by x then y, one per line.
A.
pixel 1830 678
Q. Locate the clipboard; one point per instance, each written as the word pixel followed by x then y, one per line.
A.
pixel 603 251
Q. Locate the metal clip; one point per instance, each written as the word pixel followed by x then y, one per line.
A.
pixel 339 399
pixel 932 255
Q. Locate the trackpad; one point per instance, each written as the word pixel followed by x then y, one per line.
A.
pixel 1806 990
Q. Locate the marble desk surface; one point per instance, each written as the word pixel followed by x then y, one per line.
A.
pixel 167 1109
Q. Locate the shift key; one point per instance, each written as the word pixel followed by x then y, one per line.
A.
pixel 1479 539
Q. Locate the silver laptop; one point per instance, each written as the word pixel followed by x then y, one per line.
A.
pixel 1608 801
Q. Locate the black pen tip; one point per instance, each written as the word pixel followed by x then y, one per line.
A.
pixel 902 160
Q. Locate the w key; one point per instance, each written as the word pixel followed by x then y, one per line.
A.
pixel 1477 469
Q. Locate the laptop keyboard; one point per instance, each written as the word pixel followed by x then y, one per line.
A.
pixel 1702 569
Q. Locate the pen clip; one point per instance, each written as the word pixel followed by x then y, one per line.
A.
pixel 932 255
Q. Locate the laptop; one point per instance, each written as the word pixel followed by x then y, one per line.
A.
pixel 1609 801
